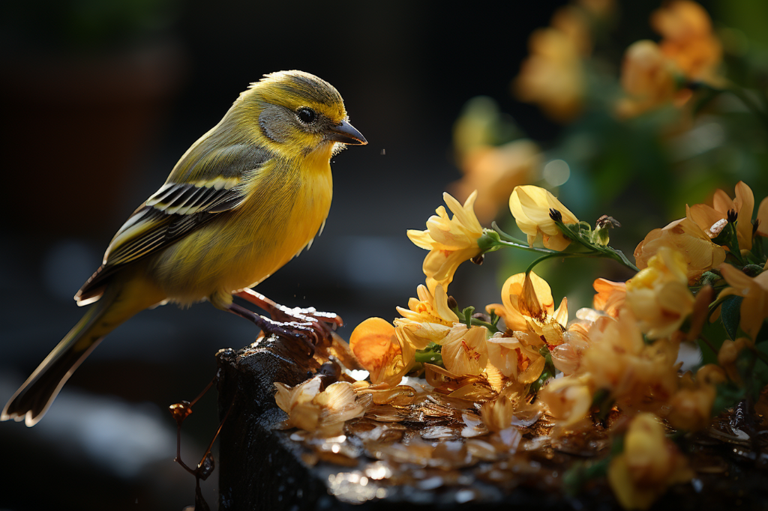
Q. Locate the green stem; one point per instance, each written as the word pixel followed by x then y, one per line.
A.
pixel 551 256
pixel 479 322
pixel 523 246
pixel 505 236
pixel 429 357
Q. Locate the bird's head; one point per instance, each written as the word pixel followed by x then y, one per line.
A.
pixel 301 113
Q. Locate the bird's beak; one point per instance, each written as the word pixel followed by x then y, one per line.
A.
pixel 346 134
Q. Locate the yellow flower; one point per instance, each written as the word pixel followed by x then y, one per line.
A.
pixel 429 307
pixel 713 218
pixel 648 465
pixel 464 349
pixel 688 39
pixel 687 237
pixel 323 412
pixel 658 295
pixel 530 206
pixel 450 241
pixel 569 398
pixel 754 306
pixel 427 319
pixel 517 356
pixel 524 297
pixel 494 171
pixel 649 78
pixel 552 76
pixel 384 354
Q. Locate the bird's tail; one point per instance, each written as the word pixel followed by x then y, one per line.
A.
pixel 34 397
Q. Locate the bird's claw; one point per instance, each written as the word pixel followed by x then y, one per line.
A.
pixel 305 332
pixel 310 322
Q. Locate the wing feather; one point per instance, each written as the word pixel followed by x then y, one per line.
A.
pixel 179 208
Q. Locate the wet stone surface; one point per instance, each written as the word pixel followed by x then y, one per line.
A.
pixel 423 450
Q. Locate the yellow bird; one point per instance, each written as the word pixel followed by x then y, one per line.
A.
pixel 247 197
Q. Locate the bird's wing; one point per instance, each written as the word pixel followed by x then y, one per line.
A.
pixel 179 208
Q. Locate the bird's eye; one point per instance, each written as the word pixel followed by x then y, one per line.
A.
pixel 306 115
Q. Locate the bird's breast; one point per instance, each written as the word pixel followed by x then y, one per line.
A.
pixel 285 207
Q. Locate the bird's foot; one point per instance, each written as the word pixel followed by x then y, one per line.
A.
pixel 321 323
pixel 300 331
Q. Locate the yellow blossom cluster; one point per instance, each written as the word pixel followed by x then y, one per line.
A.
pixel 531 322
pixel 620 356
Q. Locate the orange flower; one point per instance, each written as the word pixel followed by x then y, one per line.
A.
pixel 754 306
pixel 713 219
pixel 659 296
pixel 649 78
pixel 384 354
pixel 636 374
pixel 552 76
pixel 688 38
pixel 610 296
pixel 530 206
pixel 450 241
pixel 687 237
pixel 648 466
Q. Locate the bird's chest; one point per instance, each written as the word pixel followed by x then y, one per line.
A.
pixel 283 215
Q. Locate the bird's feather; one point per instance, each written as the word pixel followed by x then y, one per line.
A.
pixel 179 208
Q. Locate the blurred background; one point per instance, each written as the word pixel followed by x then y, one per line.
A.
pixel 100 99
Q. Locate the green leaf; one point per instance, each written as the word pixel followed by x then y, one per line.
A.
pixel 731 315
